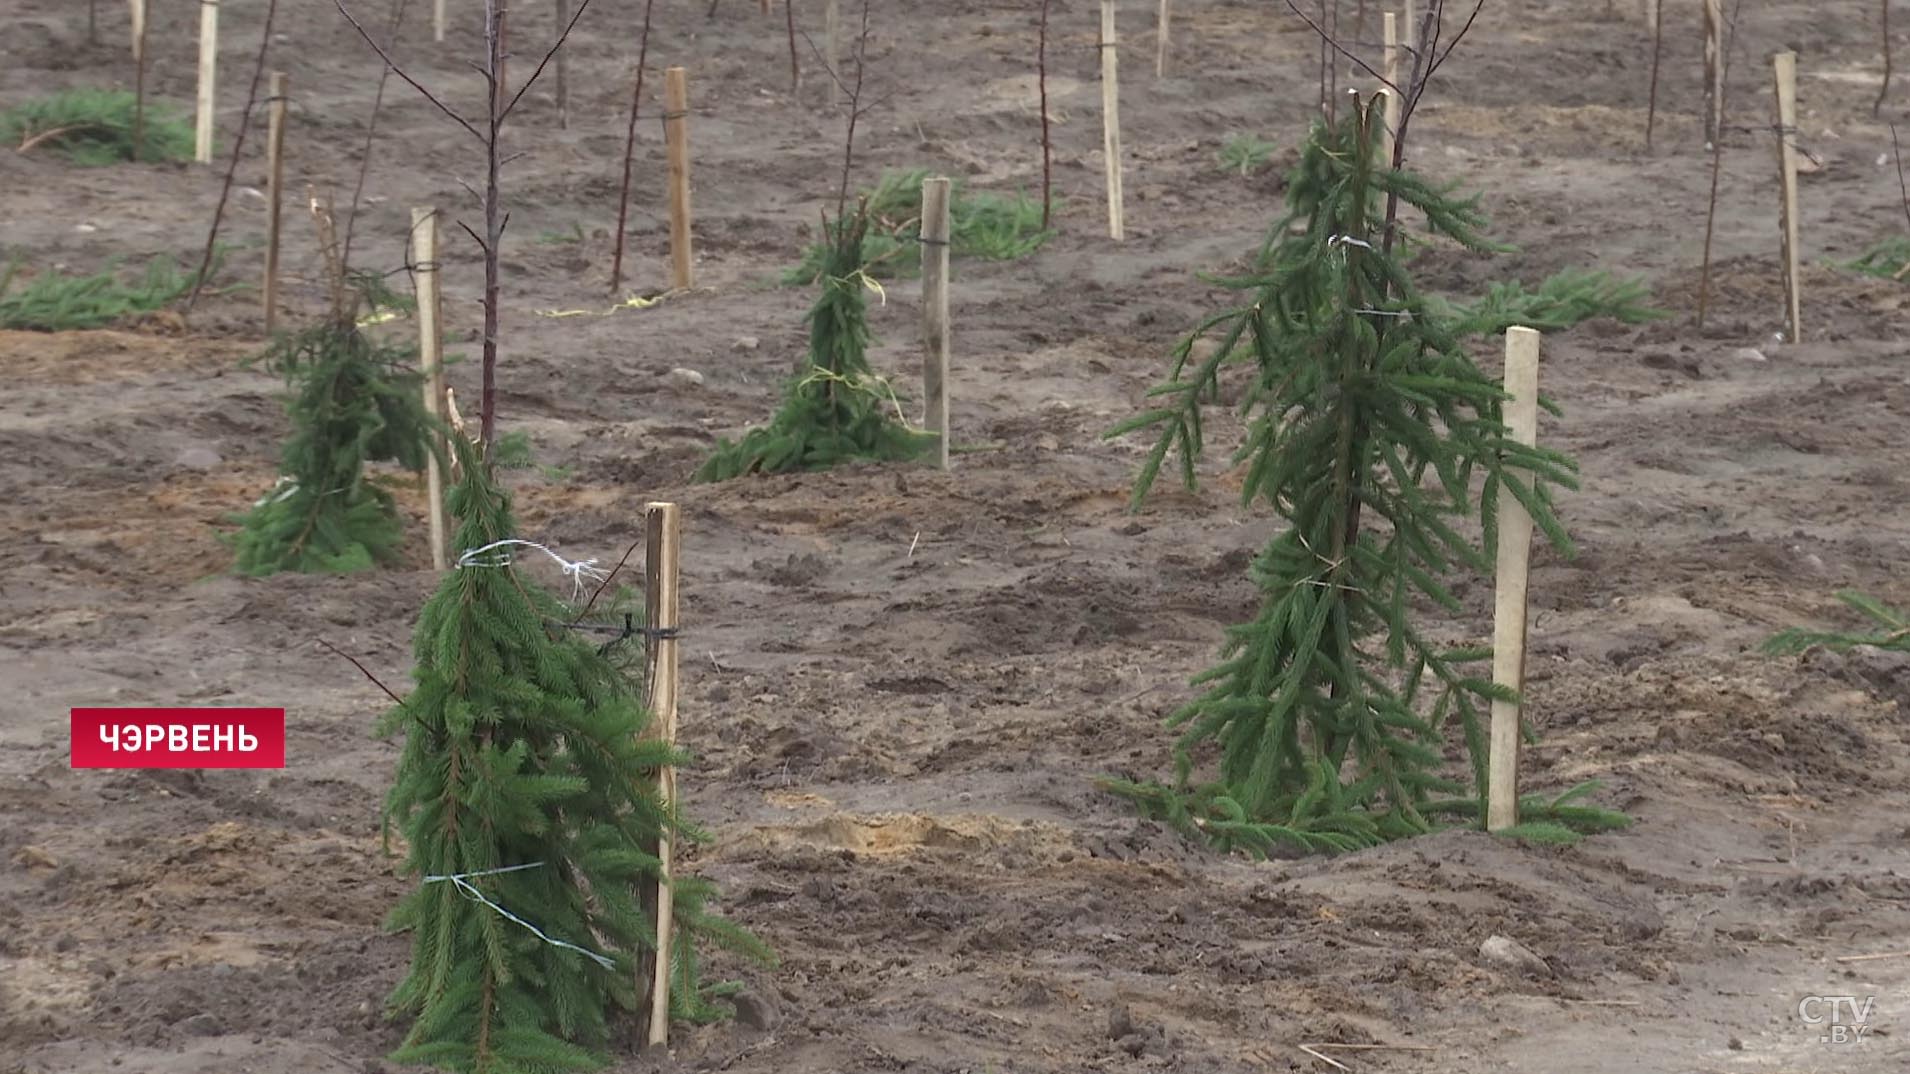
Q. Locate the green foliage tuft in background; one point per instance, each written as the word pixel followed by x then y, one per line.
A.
pixel 55 302
pixel 995 227
pixel 1892 629
pixel 94 127
pixel 1245 153
pixel 1887 259
pixel 1564 299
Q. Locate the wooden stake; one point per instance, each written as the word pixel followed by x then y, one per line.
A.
pixel 275 194
pixel 832 50
pixel 1161 40
pixel 1713 70
pixel 1390 64
pixel 437 20
pixel 208 77
pixel 765 7
pixel 1111 120
pixel 1411 28
pixel 676 138
pixel 424 245
pixel 1515 558
pixel 1784 67
pixel 935 330
pixel 663 528
pixel 139 80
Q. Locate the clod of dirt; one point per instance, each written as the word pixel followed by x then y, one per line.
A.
pixel 798 570
pixel 198 457
pixel 686 378
pixel 32 857
pixel 1120 1022
pixel 746 343
pixel 202 1025
pixel 755 1011
pixel 1513 955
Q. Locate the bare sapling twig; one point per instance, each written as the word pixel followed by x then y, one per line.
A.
pixel 795 66
pixel 1883 34
pixel 1047 144
pixel 1714 64
pixel 629 152
pixel 563 74
pixel 1326 60
pixel 1428 56
pixel 238 147
pixel 852 90
pixel 497 110
pixel 1657 52
pixel 1717 165
pixel 371 130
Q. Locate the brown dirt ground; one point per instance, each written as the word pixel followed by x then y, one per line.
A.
pixel 901 681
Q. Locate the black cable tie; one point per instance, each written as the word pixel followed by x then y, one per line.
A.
pixel 629 629
pixel 421 266
pixel 926 241
pixel 667 116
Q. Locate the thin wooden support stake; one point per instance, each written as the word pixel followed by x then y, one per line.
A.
pixel 1713 71
pixel 1515 560
pixel 208 78
pixel 832 51
pixel 424 245
pixel 935 329
pixel 137 10
pixel 1784 67
pixel 1111 120
pixel 1161 39
pixel 676 138
pixel 1410 29
pixel 275 194
pixel 663 529
pixel 1390 64
pixel 437 20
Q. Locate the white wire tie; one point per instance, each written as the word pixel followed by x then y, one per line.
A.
pixel 462 881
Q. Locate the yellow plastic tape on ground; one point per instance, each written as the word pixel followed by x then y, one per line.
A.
pixel 634 302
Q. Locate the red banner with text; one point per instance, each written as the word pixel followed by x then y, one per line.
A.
pixel 179 738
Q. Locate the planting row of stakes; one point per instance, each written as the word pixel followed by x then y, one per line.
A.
pixel 535 794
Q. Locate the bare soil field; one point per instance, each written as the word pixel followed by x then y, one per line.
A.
pixel 900 682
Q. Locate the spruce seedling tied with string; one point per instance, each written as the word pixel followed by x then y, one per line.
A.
pixel 1367 428
pixel 836 408
pixel 527 797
